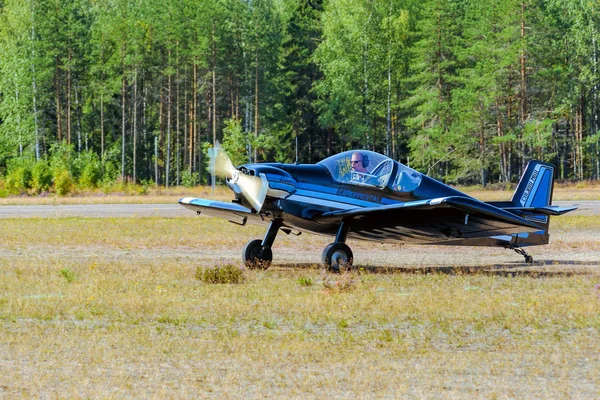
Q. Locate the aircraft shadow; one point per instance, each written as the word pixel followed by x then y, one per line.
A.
pixel 510 269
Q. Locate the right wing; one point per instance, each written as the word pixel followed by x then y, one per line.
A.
pixel 430 220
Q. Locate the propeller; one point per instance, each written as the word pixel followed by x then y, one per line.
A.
pixel 253 188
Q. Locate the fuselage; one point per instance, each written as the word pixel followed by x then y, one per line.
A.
pixel 300 192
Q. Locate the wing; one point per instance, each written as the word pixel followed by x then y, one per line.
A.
pixel 430 221
pixel 230 211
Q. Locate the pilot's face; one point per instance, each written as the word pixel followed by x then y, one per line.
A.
pixel 356 162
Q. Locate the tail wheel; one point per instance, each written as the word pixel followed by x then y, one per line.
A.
pixel 337 256
pixel 256 256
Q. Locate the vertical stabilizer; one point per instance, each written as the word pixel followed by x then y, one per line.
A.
pixel 535 187
pixel 534 191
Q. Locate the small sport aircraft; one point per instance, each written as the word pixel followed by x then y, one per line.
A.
pixel 365 195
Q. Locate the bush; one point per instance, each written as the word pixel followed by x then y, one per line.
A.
pixel 90 175
pixel 68 274
pixel 61 157
pixel 220 274
pixel 189 179
pixel 41 176
pixel 305 281
pixel 18 179
pixel 111 173
pixel 3 192
pixel 63 183
pixel 87 169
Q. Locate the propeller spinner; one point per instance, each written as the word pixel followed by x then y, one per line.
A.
pixel 253 188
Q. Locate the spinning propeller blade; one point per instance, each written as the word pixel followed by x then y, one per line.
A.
pixel 253 188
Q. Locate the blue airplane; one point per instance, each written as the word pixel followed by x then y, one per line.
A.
pixel 364 195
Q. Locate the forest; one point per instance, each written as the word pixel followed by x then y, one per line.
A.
pixel 94 92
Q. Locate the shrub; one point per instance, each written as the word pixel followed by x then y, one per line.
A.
pixel 41 176
pixel 61 157
pixel 90 175
pixel 18 179
pixel 68 274
pixel 110 174
pixel 220 274
pixel 3 191
pixel 189 179
pixel 63 183
pixel 87 169
pixel 305 281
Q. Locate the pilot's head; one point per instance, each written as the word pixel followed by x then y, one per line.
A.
pixel 359 161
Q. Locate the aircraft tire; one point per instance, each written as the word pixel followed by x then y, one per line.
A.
pixel 256 256
pixel 337 256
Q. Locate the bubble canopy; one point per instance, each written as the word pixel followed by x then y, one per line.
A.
pixel 377 171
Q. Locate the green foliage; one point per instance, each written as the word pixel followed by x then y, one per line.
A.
pixel 63 182
pixel 227 274
pixel 88 169
pixel 189 179
pixel 236 142
pixel 305 281
pixel 61 158
pixel 18 177
pixel 3 191
pixel 68 274
pixel 41 176
pixel 411 79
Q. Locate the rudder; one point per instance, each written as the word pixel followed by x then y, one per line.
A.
pixel 534 191
pixel 535 186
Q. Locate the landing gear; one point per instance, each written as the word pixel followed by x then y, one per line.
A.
pixel 528 258
pixel 257 254
pixel 337 255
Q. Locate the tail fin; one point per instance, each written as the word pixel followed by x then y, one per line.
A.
pixel 532 199
pixel 535 187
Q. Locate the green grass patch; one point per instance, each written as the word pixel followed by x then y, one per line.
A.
pixel 228 274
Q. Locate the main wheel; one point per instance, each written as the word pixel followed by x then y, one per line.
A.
pixel 337 256
pixel 256 256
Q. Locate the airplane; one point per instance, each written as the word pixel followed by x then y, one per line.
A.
pixel 361 194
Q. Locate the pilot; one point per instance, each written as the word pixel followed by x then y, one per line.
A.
pixel 359 162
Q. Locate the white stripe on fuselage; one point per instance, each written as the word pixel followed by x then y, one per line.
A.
pixel 322 202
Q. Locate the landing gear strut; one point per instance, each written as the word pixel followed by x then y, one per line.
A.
pixel 528 258
pixel 338 255
pixel 257 254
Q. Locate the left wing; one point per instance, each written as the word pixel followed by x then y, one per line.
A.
pixel 230 211
pixel 432 220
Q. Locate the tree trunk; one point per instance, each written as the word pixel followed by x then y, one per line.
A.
pixel 214 85
pixel 135 125
pixel 69 99
pixel 123 98
pixel 169 116
pixel 58 103
pixel 256 102
pixel 523 100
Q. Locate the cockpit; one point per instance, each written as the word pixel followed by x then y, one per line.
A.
pixel 370 169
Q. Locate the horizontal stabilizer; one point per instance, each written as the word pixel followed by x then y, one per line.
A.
pixel 548 210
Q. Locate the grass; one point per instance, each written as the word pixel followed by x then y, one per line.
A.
pixel 136 322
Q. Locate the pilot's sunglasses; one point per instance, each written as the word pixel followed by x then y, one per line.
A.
pixel 355 162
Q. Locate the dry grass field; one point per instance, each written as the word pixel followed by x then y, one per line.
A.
pixel 111 308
